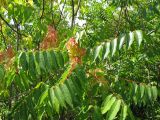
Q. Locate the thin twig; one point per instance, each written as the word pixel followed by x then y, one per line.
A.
pixel 61 11
pixel 79 3
pixel 4 39
pixel 127 17
pixel 72 23
pixel 74 13
pixel 119 22
pixel 61 15
pixel 51 8
pixel 42 9
pixel 153 31
pixel 18 35
pixel 7 23
pixel 11 26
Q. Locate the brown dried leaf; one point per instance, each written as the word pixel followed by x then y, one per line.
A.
pixel 10 52
pixel 50 41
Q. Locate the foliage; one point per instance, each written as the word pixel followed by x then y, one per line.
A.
pixel 79 59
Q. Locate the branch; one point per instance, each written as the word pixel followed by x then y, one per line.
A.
pixel 74 13
pixel 42 10
pixel 79 2
pixel 53 23
pixel 11 26
pixel 4 39
pixel 61 11
pixel 119 22
pixel 51 8
pixel 18 35
pixel 7 23
pixel 153 31
pixel 72 3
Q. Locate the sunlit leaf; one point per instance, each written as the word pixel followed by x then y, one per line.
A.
pixel 107 46
pixel 97 52
pixel 139 36
pixel 124 112
pixel 114 46
pixel 108 103
pixel 114 110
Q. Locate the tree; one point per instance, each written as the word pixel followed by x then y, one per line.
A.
pixel 79 59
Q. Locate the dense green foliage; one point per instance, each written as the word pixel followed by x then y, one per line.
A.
pixel 117 78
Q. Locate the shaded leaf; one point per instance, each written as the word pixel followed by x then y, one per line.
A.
pixel 23 61
pixel 124 112
pixel 53 99
pixel 154 92
pixel 67 95
pixel 60 59
pixel 142 90
pixel 59 95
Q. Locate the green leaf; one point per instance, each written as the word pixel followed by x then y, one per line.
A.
pixel 40 113
pixel 107 104
pixel 135 97
pixel 66 94
pixel 65 56
pixel 37 2
pixel 47 62
pixel 77 86
pixel 114 110
pixel 55 64
pixel 24 79
pixel 32 66
pixel 139 36
pixel 142 90
pixel 23 61
pixel 37 63
pixel 138 95
pixel 60 59
pixel 97 113
pixel 19 83
pixel 131 39
pixel 130 114
pixel 114 46
pixel 97 52
pixel 53 99
pixel 71 88
pixel 154 92
pixel 121 41
pixel 81 77
pixel 65 74
pixel 107 46
pixel 149 92
pixel 59 95
pixel 145 96
pixel 2 72
pixel 135 88
pixel 124 112
pixel 42 61
pixel 43 96
pixel 9 79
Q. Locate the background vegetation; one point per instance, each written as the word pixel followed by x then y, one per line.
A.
pixel 79 59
